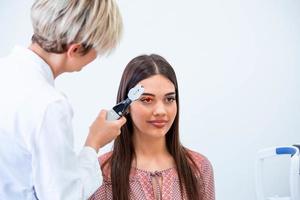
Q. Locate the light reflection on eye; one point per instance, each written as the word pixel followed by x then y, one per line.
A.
pixel 149 99
pixel 146 99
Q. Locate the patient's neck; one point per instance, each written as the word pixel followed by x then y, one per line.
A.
pixel 151 153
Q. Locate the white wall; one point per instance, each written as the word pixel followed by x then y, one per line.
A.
pixel 238 68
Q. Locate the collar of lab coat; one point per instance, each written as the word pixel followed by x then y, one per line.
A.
pixel 40 65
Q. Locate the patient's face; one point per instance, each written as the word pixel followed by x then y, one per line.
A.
pixel 153 114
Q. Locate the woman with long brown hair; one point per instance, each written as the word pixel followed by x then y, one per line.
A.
pixel 148 161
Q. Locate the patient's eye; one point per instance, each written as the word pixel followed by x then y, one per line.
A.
pixel 146 100
pixel 170 99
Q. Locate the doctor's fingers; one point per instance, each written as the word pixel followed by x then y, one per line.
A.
pixel 102 115
pixel 119 122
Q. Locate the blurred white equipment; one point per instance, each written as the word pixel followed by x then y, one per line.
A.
pixel 293 151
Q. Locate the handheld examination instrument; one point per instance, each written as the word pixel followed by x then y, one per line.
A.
pixel 120 109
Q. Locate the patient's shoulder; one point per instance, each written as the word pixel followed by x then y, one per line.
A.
pixel 105 164
pixel 201 161
pixel 104 157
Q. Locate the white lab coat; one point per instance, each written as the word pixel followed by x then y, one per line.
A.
pixel 37 159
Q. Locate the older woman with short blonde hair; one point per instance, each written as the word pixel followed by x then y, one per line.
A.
pixel 37 159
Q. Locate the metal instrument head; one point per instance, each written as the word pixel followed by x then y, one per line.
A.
pixel 135 92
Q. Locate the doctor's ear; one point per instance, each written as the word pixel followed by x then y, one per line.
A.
pixel 75 50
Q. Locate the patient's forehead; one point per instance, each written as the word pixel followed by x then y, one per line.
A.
pixel 157 84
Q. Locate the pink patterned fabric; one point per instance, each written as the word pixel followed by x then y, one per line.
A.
pixel 144 184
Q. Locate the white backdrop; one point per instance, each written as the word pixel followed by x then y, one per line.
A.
pixel 238 68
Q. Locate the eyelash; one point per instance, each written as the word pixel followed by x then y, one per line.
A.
pixel 171 99
pixel 148 100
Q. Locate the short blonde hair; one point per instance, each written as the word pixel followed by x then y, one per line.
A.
pixel 92 23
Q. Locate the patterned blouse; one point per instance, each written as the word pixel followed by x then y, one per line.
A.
pixel 158 185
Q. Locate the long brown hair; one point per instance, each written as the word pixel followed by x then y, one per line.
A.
pixel 138 69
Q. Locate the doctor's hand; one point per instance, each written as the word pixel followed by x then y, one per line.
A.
pixel 102 131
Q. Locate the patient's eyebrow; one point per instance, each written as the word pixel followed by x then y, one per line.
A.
pixel 150 94
pixel 170 94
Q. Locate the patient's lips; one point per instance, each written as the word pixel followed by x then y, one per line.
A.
pixel 158 123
